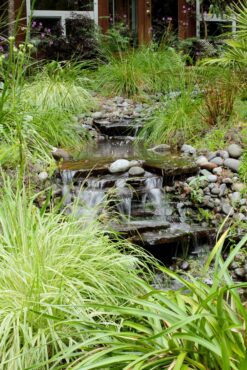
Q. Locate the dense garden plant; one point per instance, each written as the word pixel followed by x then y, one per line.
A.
pixel 175 123
pixel 201 326
pixel 51 268
pixel 235 52
pixel 141 72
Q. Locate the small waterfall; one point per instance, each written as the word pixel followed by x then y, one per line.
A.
pixel 154 182
pixel 91 196
pixel 154 195
pixel 67 178
pixel 95 184
pixel 125 196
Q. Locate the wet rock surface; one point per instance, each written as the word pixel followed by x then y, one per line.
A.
pixel 164 201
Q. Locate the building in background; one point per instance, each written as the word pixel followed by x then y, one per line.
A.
pixel 143 17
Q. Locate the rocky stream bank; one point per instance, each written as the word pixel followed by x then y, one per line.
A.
pixel 169 202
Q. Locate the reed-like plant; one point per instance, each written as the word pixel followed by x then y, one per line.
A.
pixel 202 326
pixel 175 122
pixel 56 87
pixel 140 72
pixel 52 269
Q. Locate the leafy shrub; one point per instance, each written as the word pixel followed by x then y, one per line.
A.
pixel 80 43
pixel 194 49
pixel 198 327
pixel 235 51
pixel 52 267
pixel 117 38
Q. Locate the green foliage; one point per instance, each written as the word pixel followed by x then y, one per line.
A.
pixel 235 52
pixel 204 215
pixel 243 168
pixel 178 121
pixel 196 194
pixel 198 327
pixel 116 39
pixel 53 269
pixel 214 139
pixel 37 115
pixel 56 91
pixel 141 72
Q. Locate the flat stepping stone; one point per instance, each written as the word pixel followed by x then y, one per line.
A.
pixel 171 236
pixel 122 128
pixel 137 227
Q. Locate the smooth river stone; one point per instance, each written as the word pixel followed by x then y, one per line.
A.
pixel 232 164
pixel 235 151
pixel 136 171
pixel 121 165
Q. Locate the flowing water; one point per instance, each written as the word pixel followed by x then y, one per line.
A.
pixel 146 214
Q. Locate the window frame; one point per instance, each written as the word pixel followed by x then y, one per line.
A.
pixel 62 14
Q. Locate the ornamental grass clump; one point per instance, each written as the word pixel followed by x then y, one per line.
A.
pixel 175 122
pixel 46 94
pixel 59 87
pixel 53 269
pixel 141 72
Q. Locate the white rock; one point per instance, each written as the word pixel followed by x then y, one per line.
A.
pixel 201 160
pixel 188 149
pixel 97 115
pixel 217 171
pixel 43 176
pixel 121 165
pixel 136 171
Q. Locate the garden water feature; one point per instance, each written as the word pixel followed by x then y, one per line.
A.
pixel 136 205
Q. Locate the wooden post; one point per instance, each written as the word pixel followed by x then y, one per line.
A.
pixel 21 20
pixel 103 12
pixel 186 20
pixel 144 13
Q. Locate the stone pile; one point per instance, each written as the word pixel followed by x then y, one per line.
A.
pixel 218 186
pixel 114 112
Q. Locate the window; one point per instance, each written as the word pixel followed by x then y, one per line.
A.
pixel 62 10
pixel 67 5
